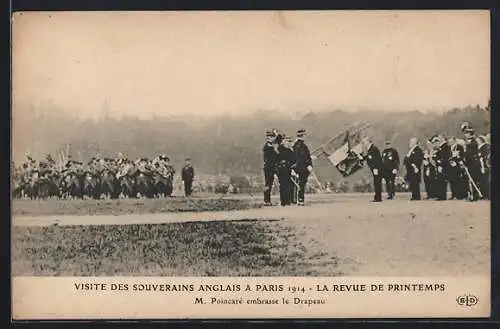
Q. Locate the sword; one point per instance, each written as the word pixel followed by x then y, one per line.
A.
pixel 294 181
pixel 471 181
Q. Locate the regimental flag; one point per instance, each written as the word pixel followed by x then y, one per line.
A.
pixel 343 150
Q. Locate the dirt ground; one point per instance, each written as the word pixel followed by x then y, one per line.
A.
pixel 332 236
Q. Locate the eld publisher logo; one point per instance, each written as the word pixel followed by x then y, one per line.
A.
pixel 467 300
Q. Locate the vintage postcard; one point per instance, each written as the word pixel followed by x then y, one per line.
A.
pixel 295 164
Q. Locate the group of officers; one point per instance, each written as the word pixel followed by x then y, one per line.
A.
pixel 463 164
pixel 291 162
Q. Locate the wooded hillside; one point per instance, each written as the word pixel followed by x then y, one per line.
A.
pixel 222 145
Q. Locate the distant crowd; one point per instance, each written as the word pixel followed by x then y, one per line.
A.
pixel 99 178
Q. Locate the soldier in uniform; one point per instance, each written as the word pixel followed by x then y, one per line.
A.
pixel 455 173
pixel 303 164
pixel 374 161
pixel 390 166
pixel 285 162
pixel 270 159
pixel 413 164
pixel 472 161
pixel 121 160
pixel 441 159
pixel 484 160
pixel 429 172
pixel 187 174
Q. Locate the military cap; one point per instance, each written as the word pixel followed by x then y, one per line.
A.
pixel 469 130
pixel 301 132
pixel 482 138
pixel 188 159
pixel 464 126
pixel 269 134
pixel 434 139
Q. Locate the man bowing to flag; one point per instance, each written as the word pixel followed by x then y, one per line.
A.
pixel 374 161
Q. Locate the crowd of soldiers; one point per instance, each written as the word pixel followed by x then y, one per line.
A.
pixel 462 164
pixel 109 178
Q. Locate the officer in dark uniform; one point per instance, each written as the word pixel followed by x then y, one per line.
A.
pixel 270 160
pixel 303 164
pixel 485 169
pixel 429 171
pixel 187 175
pixel 458 182
pixel 413 164
pixel 472 161
pixel 374 161
pixel 390 166
pixel 441 159
pixel 285 162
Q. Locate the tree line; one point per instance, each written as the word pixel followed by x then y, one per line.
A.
pixel 228 145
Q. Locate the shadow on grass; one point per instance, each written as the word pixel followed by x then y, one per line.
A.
pixel 220 248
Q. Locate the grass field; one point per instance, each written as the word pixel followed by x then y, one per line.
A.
pixel 128 206
pixel 333 236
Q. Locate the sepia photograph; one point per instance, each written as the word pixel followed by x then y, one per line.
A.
pixel 291 144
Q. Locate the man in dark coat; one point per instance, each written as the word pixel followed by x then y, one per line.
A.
pixel 413 164
pixel 270 160
pixel 456 176
pixel 285 162
pixel 390 166
pixel 441 158
pixel 303 164
pixel 472 162
pixel 429 172
pixel 374 161
pixel 485 169
pixel 187 174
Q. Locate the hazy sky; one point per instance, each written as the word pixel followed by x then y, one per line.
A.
pixel 216 62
